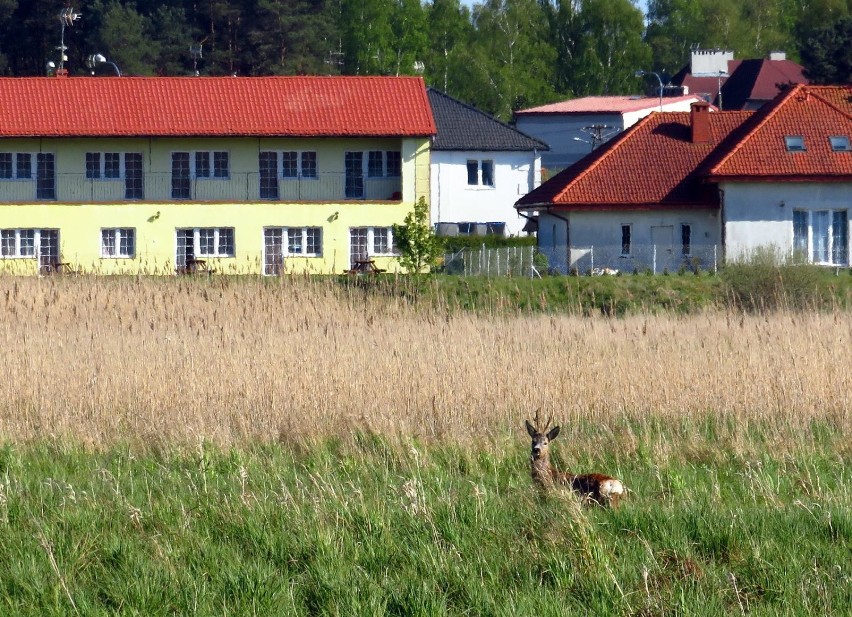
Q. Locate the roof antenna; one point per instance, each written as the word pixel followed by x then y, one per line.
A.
pixel 195 52
pixel 67 17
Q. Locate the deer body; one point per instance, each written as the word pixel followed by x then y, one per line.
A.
pixel 595 487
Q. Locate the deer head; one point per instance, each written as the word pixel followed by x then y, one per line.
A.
pixel 541 438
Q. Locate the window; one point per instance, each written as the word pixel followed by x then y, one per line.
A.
pixel 180 175
pixel 686 239
pixel 219 167
pixel 118 242
pixel 304 241
pixel 384 164
pixel 376 164
pixel 353 165
pixel 394 164
pixel 133 184
pixel 26 243
pixel 268 172
pixel 840 143
pixel 369 241
pixel 625 240
pixel 473 173
pixel 16 166
pixel 480 173
pixel 795 143
pixel 205 242
pixel 821 236
pixel 299 164
pixel 45 176
pixel 106 165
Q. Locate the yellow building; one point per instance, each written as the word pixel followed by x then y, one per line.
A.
pixel 238 175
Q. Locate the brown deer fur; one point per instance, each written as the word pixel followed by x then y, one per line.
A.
pixel 593 487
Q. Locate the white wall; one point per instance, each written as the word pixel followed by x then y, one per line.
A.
pixel 761 215
pixel 595 239
pixel 455 201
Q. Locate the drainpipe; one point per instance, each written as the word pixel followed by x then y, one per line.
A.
pixel 724 247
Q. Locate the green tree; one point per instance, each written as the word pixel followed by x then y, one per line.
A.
pixel 418 245
pixel 827 54
pixel 449 32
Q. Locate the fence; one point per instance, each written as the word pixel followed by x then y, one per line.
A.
pixel 503 261
pixel 610 259
pixel 584 260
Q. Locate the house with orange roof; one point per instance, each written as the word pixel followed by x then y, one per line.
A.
pixel 238 175
pixel 696 188
pixel 575 127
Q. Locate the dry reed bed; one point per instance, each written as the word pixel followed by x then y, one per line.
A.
pixel 165 361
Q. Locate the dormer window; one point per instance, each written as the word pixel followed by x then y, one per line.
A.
pixel 795 143
pixel 840 143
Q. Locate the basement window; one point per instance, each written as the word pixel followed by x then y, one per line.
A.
pixel 840 143
pixel 795 143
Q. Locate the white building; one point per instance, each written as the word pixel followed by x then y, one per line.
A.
pixel 479 168
pixel 574 128
pixel 695 189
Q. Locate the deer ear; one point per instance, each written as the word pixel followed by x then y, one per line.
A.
pixel 553 434
pixel 531 429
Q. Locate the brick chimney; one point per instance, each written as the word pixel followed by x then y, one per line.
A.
pixel 699 119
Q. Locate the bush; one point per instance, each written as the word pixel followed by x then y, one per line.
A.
pixel 766 283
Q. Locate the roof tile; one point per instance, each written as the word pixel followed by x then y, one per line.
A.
pixel 215 106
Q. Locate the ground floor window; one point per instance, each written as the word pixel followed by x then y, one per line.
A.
pixel 365 242
pixel 198 242
pixel 118 242
pixel 821 236
pixel 30 243
pixel 281 242
pixel 626 233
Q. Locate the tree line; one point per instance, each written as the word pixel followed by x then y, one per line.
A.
pixel 500 55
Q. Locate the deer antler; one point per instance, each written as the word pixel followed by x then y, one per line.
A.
pixel 536 418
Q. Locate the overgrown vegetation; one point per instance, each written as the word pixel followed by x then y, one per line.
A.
pixel 296 446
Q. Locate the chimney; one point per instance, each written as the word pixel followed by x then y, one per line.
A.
pixel 61 73
pixel 699 118
pixel 777 55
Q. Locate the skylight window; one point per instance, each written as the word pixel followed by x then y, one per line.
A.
pixel 840 143
pixel 795 143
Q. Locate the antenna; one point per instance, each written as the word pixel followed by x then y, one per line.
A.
pixel 195 52
pixel 67 17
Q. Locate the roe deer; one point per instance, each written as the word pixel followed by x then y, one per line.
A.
pixel 595 487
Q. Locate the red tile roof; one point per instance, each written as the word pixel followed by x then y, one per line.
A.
pixel 604 105
pixel 655 164
pixel 215 106
pixel 651 164
pixel 812 112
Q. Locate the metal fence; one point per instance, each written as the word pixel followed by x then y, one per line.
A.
pixel 503 261
pixel 582 260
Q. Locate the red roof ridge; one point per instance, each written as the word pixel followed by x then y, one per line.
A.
pixel 741 142
pixel 817 91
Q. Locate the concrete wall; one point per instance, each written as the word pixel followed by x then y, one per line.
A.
pixel 455 201
pixel 595 239
pixel 761 215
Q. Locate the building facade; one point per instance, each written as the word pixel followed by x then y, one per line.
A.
pixel 245 175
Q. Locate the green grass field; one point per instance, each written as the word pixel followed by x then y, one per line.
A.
pixel 369 527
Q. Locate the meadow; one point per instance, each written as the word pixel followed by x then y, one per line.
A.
pixel 244 446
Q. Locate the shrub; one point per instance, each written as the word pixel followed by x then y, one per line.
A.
pixel 765 282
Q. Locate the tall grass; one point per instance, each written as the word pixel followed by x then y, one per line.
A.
pixel 298 447
pixel 153 361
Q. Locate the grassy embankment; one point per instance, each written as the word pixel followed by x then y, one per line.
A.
pixel 250 447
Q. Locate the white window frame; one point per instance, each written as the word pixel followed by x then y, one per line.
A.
pixel 480 175
pixel 196 241
pixel 621 228
pixel 300 165
pixel 117 234
pixel 305 232
pixel 101 171
pixel 372 232
pixel 16 177
pixel 809 212
pixel 16 236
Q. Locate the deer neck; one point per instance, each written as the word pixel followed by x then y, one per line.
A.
pixel 543 472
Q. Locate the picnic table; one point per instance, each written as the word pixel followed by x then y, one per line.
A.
pixel 364 266
pixel 57 267
pixel 194 266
